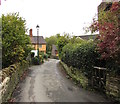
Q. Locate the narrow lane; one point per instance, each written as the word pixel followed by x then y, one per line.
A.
pixel 46 83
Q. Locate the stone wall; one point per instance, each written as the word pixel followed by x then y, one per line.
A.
pixel 9 79
pixel 113 86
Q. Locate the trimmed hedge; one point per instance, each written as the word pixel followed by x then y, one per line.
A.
pixel 82 56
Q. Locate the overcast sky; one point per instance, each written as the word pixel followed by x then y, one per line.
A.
pixel 53 16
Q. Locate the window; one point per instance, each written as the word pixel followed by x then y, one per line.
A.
pixel 40 46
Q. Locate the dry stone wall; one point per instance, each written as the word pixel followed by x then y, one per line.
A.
pixel 9 79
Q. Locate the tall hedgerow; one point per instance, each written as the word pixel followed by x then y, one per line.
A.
pixel 82 56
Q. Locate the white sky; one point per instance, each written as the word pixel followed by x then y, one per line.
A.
pixel 53 16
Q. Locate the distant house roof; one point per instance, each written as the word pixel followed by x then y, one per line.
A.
pixel 87 37
pixel 35 41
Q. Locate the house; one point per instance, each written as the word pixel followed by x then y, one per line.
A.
pixel 38 41
pixel 87 37
pixel 54 51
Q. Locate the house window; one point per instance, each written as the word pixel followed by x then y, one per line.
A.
pixel 40 46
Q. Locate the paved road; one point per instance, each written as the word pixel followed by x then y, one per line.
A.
pixel 46 83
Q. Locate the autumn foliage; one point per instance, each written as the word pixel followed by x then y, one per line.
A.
pixel 108 25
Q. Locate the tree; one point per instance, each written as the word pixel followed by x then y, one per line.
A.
pixel 58 36
pixel 50 41
pixel 15 43
pixel 75 39
pixel 62 41
pixel 108 25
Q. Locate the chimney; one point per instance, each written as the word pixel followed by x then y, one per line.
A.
pixel 30 32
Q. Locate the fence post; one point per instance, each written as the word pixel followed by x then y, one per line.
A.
pixel 99 78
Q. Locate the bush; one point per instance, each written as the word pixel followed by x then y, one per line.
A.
pixel 41 59
pixel 82 56
pixel 41 53
pixel 35 61
pixel 32 54
pixel 113 67
pixel 49 54
pixel 45 56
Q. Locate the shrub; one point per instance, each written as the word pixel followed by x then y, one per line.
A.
pixel 82 56
pixel 35 61
pixel 49 54
pixel 41 58
pixel 45 56
pixel 41 53
pixel 32 54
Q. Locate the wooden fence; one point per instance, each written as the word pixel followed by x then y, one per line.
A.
pixel 99 78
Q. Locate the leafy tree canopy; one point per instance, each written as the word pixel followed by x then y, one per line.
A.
pixel 108 25
pixel 62 41
pixel 75 39
pixel 15 42
pixel 50 41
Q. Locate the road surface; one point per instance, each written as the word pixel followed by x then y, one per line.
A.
pixel 47 83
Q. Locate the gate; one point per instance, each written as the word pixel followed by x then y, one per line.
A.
pixel 99 78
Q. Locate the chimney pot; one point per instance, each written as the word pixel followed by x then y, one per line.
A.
pixel 30 32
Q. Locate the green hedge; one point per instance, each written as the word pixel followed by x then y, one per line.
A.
pixel 82 56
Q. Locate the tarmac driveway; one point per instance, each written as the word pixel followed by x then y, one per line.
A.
pixel 46 83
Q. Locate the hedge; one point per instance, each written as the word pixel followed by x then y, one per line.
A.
pixel 82 56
